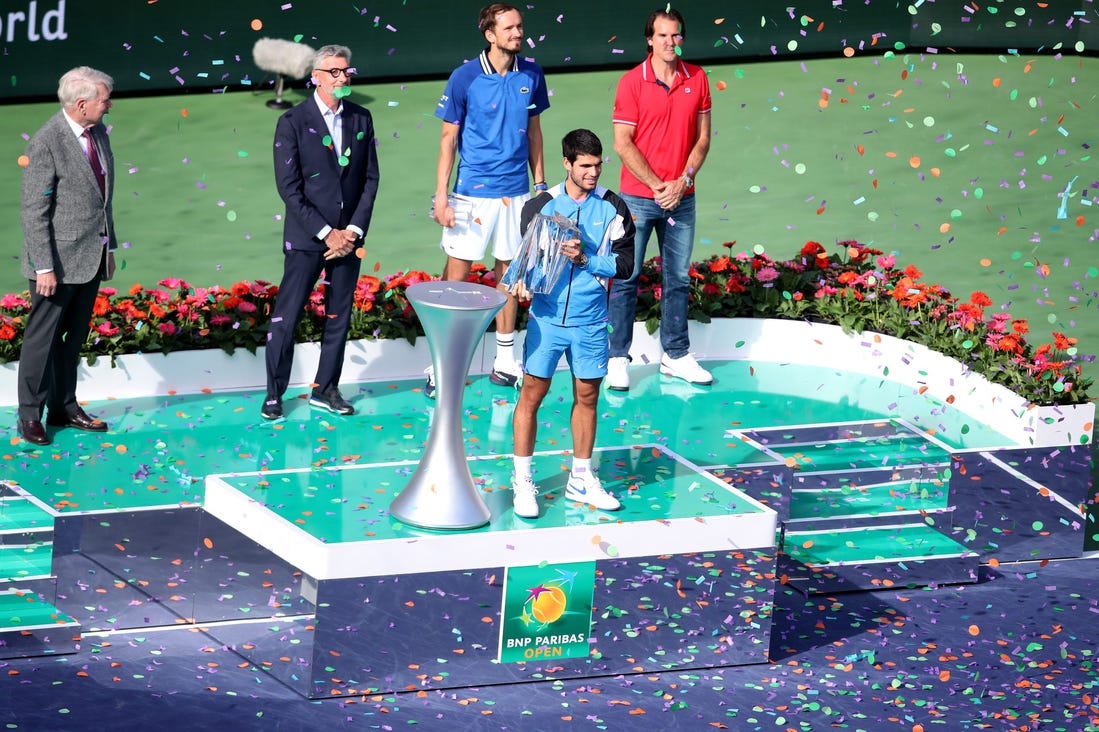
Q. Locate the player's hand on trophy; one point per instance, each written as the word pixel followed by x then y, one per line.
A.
pixel 520 292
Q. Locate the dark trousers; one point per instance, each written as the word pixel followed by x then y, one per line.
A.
pixel 52 340
pixel 300 272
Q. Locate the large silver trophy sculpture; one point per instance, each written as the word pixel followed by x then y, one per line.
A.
pixel 441 494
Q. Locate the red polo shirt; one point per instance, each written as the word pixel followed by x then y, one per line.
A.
pixel 665 120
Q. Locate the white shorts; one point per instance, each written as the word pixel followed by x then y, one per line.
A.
pixel 479 220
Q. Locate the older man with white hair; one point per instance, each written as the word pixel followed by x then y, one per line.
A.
pixel 68 248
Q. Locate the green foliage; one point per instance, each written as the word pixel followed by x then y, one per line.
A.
pixel 858 288
pixel 861 289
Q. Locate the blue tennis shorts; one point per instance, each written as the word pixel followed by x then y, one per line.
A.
pixel 585 347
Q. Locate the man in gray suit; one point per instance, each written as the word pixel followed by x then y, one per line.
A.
pixel 68 248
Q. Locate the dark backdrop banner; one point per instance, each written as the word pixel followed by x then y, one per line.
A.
pixel 165 46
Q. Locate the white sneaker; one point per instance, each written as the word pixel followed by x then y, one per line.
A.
pixel 506 373
pixel 524 497
pixel 587 488
pixel 618 373
pixel 429 385
pixel 686 368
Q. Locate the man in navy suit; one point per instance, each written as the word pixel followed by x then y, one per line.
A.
pixel 68 248
pixel 326 170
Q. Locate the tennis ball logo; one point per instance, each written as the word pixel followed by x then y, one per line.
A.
pixel 549 605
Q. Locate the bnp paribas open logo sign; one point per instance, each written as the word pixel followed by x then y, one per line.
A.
pixel 547 612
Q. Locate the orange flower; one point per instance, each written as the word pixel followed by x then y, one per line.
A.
pixel 980 299
pixel 1062 342
pixel 102 305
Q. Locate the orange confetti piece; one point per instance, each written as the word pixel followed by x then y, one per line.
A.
pixel 914 161
pixel 974 630
pixel 23 161
pixel 721 86
pixel 256 24
pixel 208 543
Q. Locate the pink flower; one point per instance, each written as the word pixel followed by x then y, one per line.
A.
pixel 106 329
pixel 11 301
pixel 246 307
pixel 167 328
pixel 767 274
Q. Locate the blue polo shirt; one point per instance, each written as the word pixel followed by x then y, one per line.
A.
pixel 492 112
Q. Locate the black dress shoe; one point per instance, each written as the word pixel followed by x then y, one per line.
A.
pixel 272 409
pixel 79 419
pixel 332 400
pixel 33 432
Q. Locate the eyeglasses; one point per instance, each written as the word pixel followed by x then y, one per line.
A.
pixel 348 72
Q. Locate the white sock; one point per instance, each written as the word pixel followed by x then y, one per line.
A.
pixel 505 348
pixel 522 465
pixel 581 465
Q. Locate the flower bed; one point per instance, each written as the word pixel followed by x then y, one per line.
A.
pixel 857 288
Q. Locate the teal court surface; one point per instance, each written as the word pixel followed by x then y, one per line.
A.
pixel 160 449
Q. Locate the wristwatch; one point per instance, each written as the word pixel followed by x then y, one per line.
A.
pixel 688 180
pixel 582 260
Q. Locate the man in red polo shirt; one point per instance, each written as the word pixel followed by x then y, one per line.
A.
pixel 662 134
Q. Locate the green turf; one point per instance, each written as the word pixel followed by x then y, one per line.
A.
pixel 955 162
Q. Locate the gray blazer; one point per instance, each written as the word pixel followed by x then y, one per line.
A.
pixel 65 220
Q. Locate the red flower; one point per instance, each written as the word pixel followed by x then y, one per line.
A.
pixel 812 250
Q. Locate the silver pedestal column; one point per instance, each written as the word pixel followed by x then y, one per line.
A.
pixel 441 493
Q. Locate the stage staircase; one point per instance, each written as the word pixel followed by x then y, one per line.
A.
pixel 861 506
pixel 29 624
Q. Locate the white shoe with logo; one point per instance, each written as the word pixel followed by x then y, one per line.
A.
pixel 586 488
pixel 618 374
pixel 506 373
pixel 429 384
pixel 524 497
pixel 686 368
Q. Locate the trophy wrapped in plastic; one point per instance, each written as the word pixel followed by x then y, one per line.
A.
pixel 539 262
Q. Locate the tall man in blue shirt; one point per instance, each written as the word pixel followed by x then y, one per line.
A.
pixel 490 111
pixel 572 318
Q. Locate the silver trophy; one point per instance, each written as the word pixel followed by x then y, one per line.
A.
pixel 539 261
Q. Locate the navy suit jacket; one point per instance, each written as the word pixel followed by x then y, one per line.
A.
pixel 316 189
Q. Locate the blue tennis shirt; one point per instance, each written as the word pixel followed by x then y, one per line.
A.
pixel 492 112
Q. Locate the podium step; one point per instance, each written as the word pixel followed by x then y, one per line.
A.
pixel 874 558
pixel 875 499
pixel 21 562
pixel 20 515
pixel 30 626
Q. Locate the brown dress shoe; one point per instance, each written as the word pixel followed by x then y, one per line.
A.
pixel 79 419
pixel 33 432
